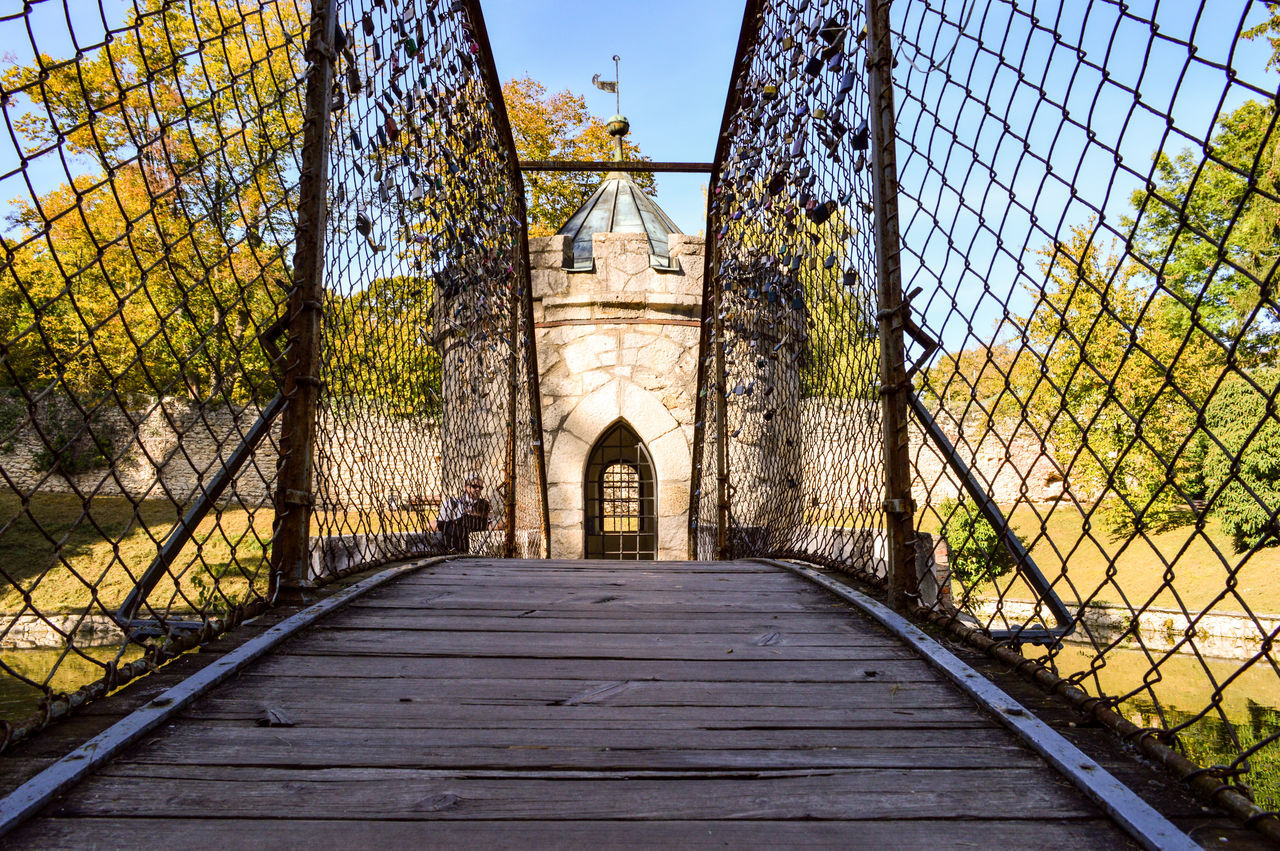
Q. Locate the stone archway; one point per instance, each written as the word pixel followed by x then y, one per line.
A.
pixel 568 454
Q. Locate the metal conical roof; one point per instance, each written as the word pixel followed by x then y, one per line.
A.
pixel 619 205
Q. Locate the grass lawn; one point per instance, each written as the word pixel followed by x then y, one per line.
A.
pixel 66 557
pixel 1182 564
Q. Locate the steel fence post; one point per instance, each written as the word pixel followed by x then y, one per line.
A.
pixel 513 331
pixel 724 547
pixel 295 491
pixel 898 506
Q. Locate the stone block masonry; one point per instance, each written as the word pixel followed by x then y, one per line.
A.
pixel 166 449
pixel 844 472
pixel 618 343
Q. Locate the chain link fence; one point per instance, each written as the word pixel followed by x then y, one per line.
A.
pixel 1048 233
pixel 266 315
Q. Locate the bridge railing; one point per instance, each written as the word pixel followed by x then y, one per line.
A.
pixel 266 312
pixel 991 321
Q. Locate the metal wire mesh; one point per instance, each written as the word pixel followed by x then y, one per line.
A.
pixel 789 381
pixel 1088 215
pixel 427 330
pixel 154 335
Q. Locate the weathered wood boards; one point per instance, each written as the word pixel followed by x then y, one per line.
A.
pixel 570 704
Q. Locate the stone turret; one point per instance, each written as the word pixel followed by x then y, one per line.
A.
pixel 617 299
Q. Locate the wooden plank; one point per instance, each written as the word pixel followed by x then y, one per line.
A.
pixel 1142 821
pixel 536 622
pixel 401 713
pixel 548 692
pixel 429 639
pixel 892 664
pixel 587 700
pixel 764 583
pixel 561 646
pixel 612 749
pixel 597 612
pixel 378 793
pixel 125 831
pixel 196 742
pixel 34 794
pixel 619 599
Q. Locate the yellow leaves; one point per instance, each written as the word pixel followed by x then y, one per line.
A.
pixel 558 127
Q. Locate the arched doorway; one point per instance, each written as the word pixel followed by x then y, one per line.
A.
pixel 621 498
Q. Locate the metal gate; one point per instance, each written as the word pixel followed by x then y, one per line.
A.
pixel 621 503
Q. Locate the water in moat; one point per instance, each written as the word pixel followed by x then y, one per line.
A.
pixel 73 669
pixel 1250 704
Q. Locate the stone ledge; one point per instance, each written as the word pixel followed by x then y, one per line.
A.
pixel 29 632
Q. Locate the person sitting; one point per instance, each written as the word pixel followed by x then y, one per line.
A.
pixel 462 515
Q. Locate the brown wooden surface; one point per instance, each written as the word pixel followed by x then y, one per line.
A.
pixel 489 704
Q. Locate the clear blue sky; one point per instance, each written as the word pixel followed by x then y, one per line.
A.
pixel 676 60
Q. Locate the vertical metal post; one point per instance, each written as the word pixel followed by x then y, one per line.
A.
pixel 513 410
pixel 290 559
pixel 724 549
pixel 894 387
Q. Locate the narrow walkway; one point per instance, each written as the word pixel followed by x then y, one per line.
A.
pixel 482 703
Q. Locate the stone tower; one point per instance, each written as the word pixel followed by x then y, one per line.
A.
pixel 617 297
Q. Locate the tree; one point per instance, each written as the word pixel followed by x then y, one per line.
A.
pixel 1208 225
pixel 1123 375
pixel 975 552
pixel 1209 231
pixel 1271 29
pixel 156 268
pixel 559 127
pixel 388 353
pixel 982 379
pixel 1242 467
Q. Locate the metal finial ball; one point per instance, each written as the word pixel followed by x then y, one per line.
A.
pixel 618 125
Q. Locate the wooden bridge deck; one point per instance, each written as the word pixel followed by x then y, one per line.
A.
pixel 483 703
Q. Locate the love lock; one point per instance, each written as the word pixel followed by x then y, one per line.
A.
pixel 861 136
pixel 833 33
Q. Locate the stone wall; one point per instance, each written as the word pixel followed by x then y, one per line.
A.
pixel 167 449
pixel 375 460
pixel 844 465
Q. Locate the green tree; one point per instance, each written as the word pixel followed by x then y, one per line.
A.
pixel 1208 225
pixel 388 353
pixel 974 550
pixel 559 127
pixel 156 269
pixel 984 378
pixel 1242 466
pixel 1210 230
pixel 1269 28
pixel 1120 384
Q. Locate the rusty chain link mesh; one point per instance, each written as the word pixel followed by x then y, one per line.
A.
pixel 427 328
pixel 1090 226
pixel 790 366
pixel 151 162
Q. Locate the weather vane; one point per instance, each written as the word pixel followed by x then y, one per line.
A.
pixel 610 85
